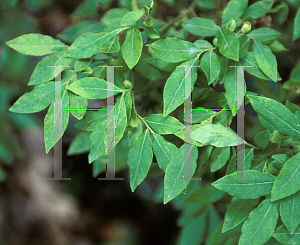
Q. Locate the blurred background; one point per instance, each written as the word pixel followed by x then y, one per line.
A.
pixel 86 211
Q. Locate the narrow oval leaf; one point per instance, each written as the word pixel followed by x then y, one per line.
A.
pixel 132 47
pixel 111 45
pixel 255 184
pixel 98 144
pixel 219 158
pixel 266 60
pixel 174 50
pixel 244 45
pixel 139 159
pixel 131 17
pixel 283 236
pixel 80 144
pixel 78 105
pixel 216 135
pixel 233 10
pixel 290 211
pixel 258 9
pixel 265 35
pixel 237 212
pixel 288 181
pixel 163 150
pixel 210 64
pixel 296 33
pixel 228 43
pixel 36 44
pixel 276 114
pixel 200 114
pixel 174 183
pixel 261 223
pixel 91 120
pixel 164 125
pixel 201 27
pixel 91 88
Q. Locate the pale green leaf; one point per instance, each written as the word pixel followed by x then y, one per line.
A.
pixel 219 158
pixel 164 125
pixel 80 144
pixel 265 35
pixel 112 45
pixel 200 114
pixel 201 26
pixel 228 43
pixel 284 237
pixel 131 17
pixel 78 105
pixel 211 66
pixel 233 10
pixel 98 142
pixel 91 120
pixel 258 9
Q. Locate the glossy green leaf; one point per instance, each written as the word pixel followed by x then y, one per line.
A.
pixel 173 185
pixel 164 151
pixel 265 59
pixel 244 41
pixel 261 223
pixel 164 125
pixel 80 144
pixel 233 10
pixel 98 142
pixel 131 17
pixel 228 43
pixel 290 211
pixel 36 44
pixel 181 135
pixel 132 47
pixel 219 158
pixel 211 66
pixel 237 212
pixel 258 9
pixel 140 159
pixel 201 114
pixel 265 35
pixel 288 181
pixel 201 26
pixel 78 105
pixel 276 114
pixel 216 135
pixel 174 50
pixel 296 33
pixel 284 237
pixel 91 88
pixel 255 184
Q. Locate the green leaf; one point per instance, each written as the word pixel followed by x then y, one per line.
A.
pixel 181 135
pixel 113 14
pixel 50 121
pixel 131 17
pixel 276 114
pixel 174 50
pixel 211 66
pixel 266 60
pixel 228 43
pixel 265 35
pixel 174 94
pixel 244 41
pixel 128 103
pixel 98 142
pixel 237 212
pixel 151 32
pixel 163 150
pixel 36 44
pixel 132 47
pixel 290 211
pixel 288 181
pixel 255 184
pixel 261 223
pixel 91 88
pixel 201 27
pixel 296 33
pixel 140 159
pixel 175 170
pixel 234 10
pixel 203 44
pixel 91 120
pixel 42 73
pixel 216 135
pixel 80 144
pixel 112 45
pixel 201 114
pixel 283 236
pixel 135 133
pixel 219 158
pixel 78 105
pixel 258 9
pixel 277 46
pixel 164 125
pixel 82 64
pixel 262 139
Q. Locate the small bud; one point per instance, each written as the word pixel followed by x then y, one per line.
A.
pixel 128 84
pixel 215 42
pixel 231 25
pixel 246 27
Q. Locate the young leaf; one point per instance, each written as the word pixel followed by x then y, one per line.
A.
pixel 266 60
pixel 228 43
pixel 258 9
pixel 132 47
pixel 255 184
pixel 139 159
pixel 211 66
pixel 261 223
pixel 91 88
pixel 36 44
pixel 164 125
pixel 201 27
pixel 174 89
pixel 131 17
pixel 288 181
pixel 78 105
pixel 163 150
pixel 290 211
pixel 234 10
pixel 216 135
pixel 173 185
pixel 276 114
pixel 265 35
pixel 237 212
pixel 80 144
pixel 284 237
pixel 174 50
pixel 98 146
pixel 296 33
pixel 219 158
